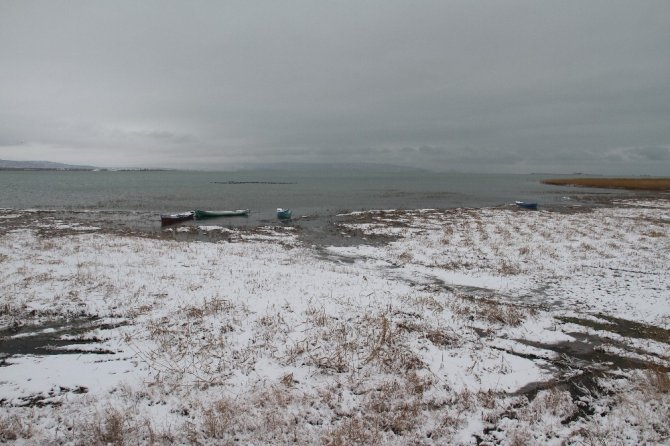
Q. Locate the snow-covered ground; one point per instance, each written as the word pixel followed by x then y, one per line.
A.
pixel 491 326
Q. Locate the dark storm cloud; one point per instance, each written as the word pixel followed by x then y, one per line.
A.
pixel 495 86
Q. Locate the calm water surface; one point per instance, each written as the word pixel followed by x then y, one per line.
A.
pixel 315 193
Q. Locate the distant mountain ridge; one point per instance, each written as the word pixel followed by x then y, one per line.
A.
pixel 40 165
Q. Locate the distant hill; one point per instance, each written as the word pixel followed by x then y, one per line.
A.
pixel 40 165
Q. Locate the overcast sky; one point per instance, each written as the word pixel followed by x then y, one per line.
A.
pixel 492 86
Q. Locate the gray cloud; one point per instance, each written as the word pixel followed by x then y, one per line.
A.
pixel 651 153
pixel 491 86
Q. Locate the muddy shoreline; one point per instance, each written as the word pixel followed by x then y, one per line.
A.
pixel 315 229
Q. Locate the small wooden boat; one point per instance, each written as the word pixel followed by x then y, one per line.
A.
pixel 170 219
pixel 526 205
pixel 200 214
pixel 283 214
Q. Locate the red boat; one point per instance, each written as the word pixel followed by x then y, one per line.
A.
pixel 170 219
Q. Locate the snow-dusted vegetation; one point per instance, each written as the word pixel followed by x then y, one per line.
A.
pixel 491 326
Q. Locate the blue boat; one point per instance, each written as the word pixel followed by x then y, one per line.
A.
pixel 526 205
pixel 283 214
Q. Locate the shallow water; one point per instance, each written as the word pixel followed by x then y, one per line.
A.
pixel 263 191
pixel 134 199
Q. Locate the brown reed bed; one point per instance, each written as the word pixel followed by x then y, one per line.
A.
pixel 653 184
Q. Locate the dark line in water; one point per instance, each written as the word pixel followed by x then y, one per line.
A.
pixel 252 182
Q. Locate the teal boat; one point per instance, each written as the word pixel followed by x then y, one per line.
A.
pixel 526 205
pixel 200 214
pixel 283 214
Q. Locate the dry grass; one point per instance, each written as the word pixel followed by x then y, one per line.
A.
pixel 497 313
pixel 442 338
pixel 555 402
pixel 658 380
pixel 390 409
pixel 13 428
pixel 47 244
pixel 352 431
pixel 406 257
pixel 520 437
pixel 189 353
pixel 393 408
pixel 508 269
pixel 217 418
pixel 659 184
pixel 371 341
pixel 318 316
pixel 111 429
pixel 366 380
pixel 654 234
pixel 118 427
pixel 504 314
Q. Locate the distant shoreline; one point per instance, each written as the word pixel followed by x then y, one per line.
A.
pixel 651 184
pixel 83 169
pixel 44 169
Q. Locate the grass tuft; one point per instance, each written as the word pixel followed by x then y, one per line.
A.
pixel 111 429
pixel 13 428
pixel 217 418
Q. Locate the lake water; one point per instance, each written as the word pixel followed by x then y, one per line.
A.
pixel 316 193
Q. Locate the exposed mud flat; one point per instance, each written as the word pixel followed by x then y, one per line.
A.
pixel 55 337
